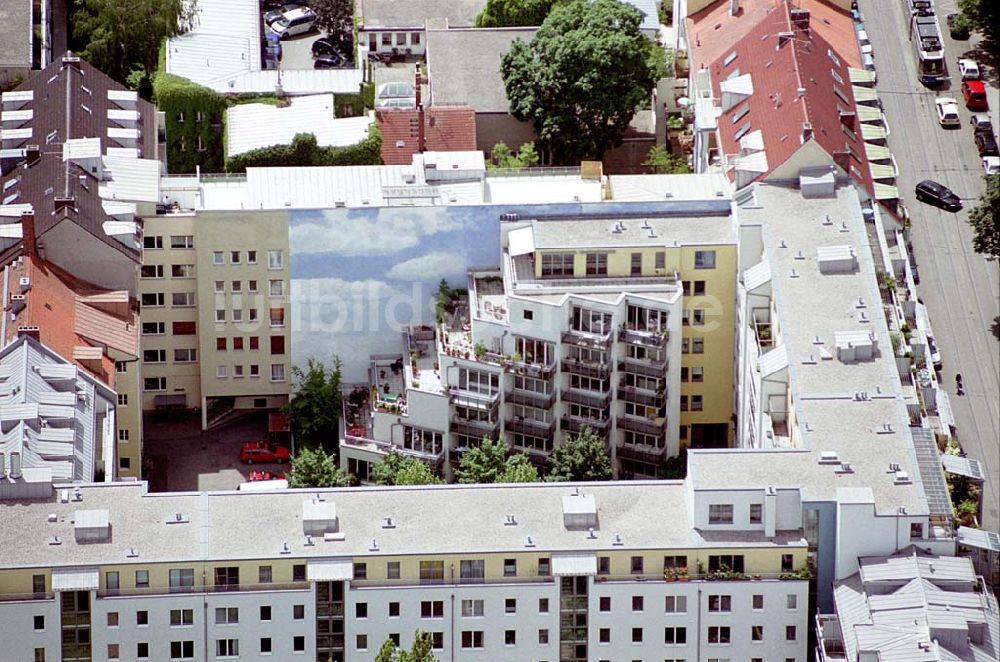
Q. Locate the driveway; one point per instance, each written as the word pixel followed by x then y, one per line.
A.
pixel 179 457
pixel 960 287
pixel 296 53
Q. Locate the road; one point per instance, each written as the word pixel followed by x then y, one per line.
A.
pixel 960 287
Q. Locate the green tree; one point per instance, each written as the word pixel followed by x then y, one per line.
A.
pixel 122 37
pixel 662 162
pixel 316 405
pixel 582 77
pixel 333 16
pixel 398 469
pixel 492 462
pixel 419 652
pixel 312 467
pixel 580 458
pixel 502 157
pixel 984 15
pixel 985 219
pixel 514 13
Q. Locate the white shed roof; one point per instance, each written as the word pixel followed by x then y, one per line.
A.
pixel 329 570
pixel 75 579
pixel 572 564
pixel 254 125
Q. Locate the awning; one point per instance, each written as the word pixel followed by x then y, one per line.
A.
pixel 880 171
pixel 886 192
pixel 863 93
pixel 574 565
pixel 868 114
pixel 329 570
pixel 169 400
pixel 877 152
pixel 962 466
pixel 873 132
pixel 978 538
pixel 521 241
pixel 75 579
pixel 861 75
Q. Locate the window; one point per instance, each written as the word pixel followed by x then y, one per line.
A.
pixel 181 580
pixel 636 565
pixel 361 610
pixel 756 513
pixel 697 374
pixel 227 615
pixel 636 635
pixel 394 637
pixel 265 644
pixel 220 287
pixel 236 286
pixel 276 288
pixel 543 605
pixel 276 316
pixel 238 315
pixel 675 562
pixel 791 601
pixel 510 606
pixel 393 610
pixel 720 513
pixel 277 372
pixel 361 571
pixel 275 260
pixel 114 651
pixel 254 370
pixel 154 383
pixel 39 622
pixel 544 569
pixel 720 603
pixel 675 635
pixel 414 38
pixel 218 257
pixel 154 356
pixel 183 328
pixel 234 257
pixel 277 345
pixel 661 260
pixel 697 317
pixel 758 601
pixel 112 619
pixel 142 650
pixel 790 633
pixel 787 562
pixel 181 650
pixel 179 617
pixel 697 403
pixel 182 299
pixel 387 39
pixel 510 638
pixel 252 315
pixel 153 328
pixel 604 603
pixel 697 345
pixel 603 565
pixel 510 567
pixel 220 315
pixel 637 603
pixel 227 647
pixel 557 264
pixel 254 342
pixel 361 642
pixel 392 570
pixel 472 638
pixel 756 633
pixel 432 609
pixel 718 634
pixel 142 578
pixel 597 264
pixel 704 259
pixel 472 608
pixel 916 530
pixel 528 314
pixel 152 242
pixel 221 343
pixel 152 299
pixel 181 241
pixel 732 562
pixel 123 435
pixel 265 613
pixel 226 576
pixel 220 372
pixel 604 635
pixel 298 644
pixel 431 572
pixel 675 604
pixel 543 637
pixel 636 264
pixel 298 612
pixel 182 271
pixel 471 571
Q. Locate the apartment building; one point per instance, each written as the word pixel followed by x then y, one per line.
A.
pixel 622 324
pixel 215 300
pixel 80 171
pixel 538 572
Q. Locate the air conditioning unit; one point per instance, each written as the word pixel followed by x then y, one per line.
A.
pixel 25 283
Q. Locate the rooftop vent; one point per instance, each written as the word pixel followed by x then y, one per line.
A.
pixel 829 457
pixel 132 553
pixel 373 547
pixel 54 540
pixel 893 467
pixel 885 429
pixel 617 541
pixel 318 517
pixel 178 518
pixel 510 520
pixel 902 478
pixel 529 542
pixel 579 511
pixel 845 468
pixel 285 549
pixel 92 526
pixel 388 523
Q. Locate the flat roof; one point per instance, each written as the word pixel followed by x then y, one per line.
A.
pixel 394 14
pixel 824 391
pixel 15 33
pixel 428 520
pixel 683 229
pixel 700 186
pixel 251 126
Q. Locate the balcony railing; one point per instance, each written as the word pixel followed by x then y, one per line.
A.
pixel 830 645
pixel 541 371
pixel 474 428
pixel 448 581
pixel 642 425
pixel 465 398
pixel 576 424
pixel 643 338
pixel 222 588
pixel 530 426
pixel 644 368
pixel 587 398
pixel 21 597
pixel 641 397
pixel 584 339
pixel 641 452
pixel 530 398
pixel 376 446
pixel 586 368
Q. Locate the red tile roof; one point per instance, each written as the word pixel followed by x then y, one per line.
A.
pixel 446 129
pixel 798 82
pixel 68 315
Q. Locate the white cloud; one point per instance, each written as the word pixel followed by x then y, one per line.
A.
pixel 432 266
pixel 386 233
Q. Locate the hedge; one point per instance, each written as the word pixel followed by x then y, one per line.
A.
pixel 305 151
pixel 178 97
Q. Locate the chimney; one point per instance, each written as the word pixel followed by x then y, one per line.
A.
pixel 807 132
pixel 15 465
pixel 421 141
pixel 29 241
pixel 33 153
pixel 784 38
pixel 31 332
pixel 800 18
pixel 71 60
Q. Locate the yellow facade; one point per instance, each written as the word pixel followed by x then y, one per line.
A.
pixel 128 417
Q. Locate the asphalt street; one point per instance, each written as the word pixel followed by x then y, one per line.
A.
pixel 960 287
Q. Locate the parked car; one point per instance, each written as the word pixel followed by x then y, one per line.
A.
pixel 938 195
pixel 935 353
pixel 274 14
pixel 293 23
pixel 958 27
pixel 974 93
pixel 864 42
pixel 324 46
pixel 331 61
pixel 986 144
pixel 947 110
pixel 991 165
pixel 968 68
pixel 263 451
pixel 981 122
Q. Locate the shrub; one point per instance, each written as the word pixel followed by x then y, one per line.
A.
pixel 304 151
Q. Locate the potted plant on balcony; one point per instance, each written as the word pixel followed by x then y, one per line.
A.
pixel 480 350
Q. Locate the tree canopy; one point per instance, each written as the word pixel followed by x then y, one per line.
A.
pixel 985 219
pixel 582 77
pixel 662 162
pixel 581 458
pixel 492 462
pixel 984 15
pixel 333 16
pixel 316 405
pixel 419 652
pixel 514 13
pixel 122 37
pixel 398 469
pixel 502 157
pixel 312 467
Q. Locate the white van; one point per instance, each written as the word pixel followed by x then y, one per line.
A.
pixel 294 22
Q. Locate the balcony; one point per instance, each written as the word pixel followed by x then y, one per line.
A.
pixel 587 398
pixel 530 426
pixel 585 339
pixel 641 397
pixel 538 370
pixel 586 368
pixel 482 401
pixel 641 425
pixel 575 424
pixel 830 645
pixel 641 452
pixel 644 368
pixel 530 398
pixel 220 588
pixel 474 428
pixel 385 447
pixel 449 581
pixel 643 338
